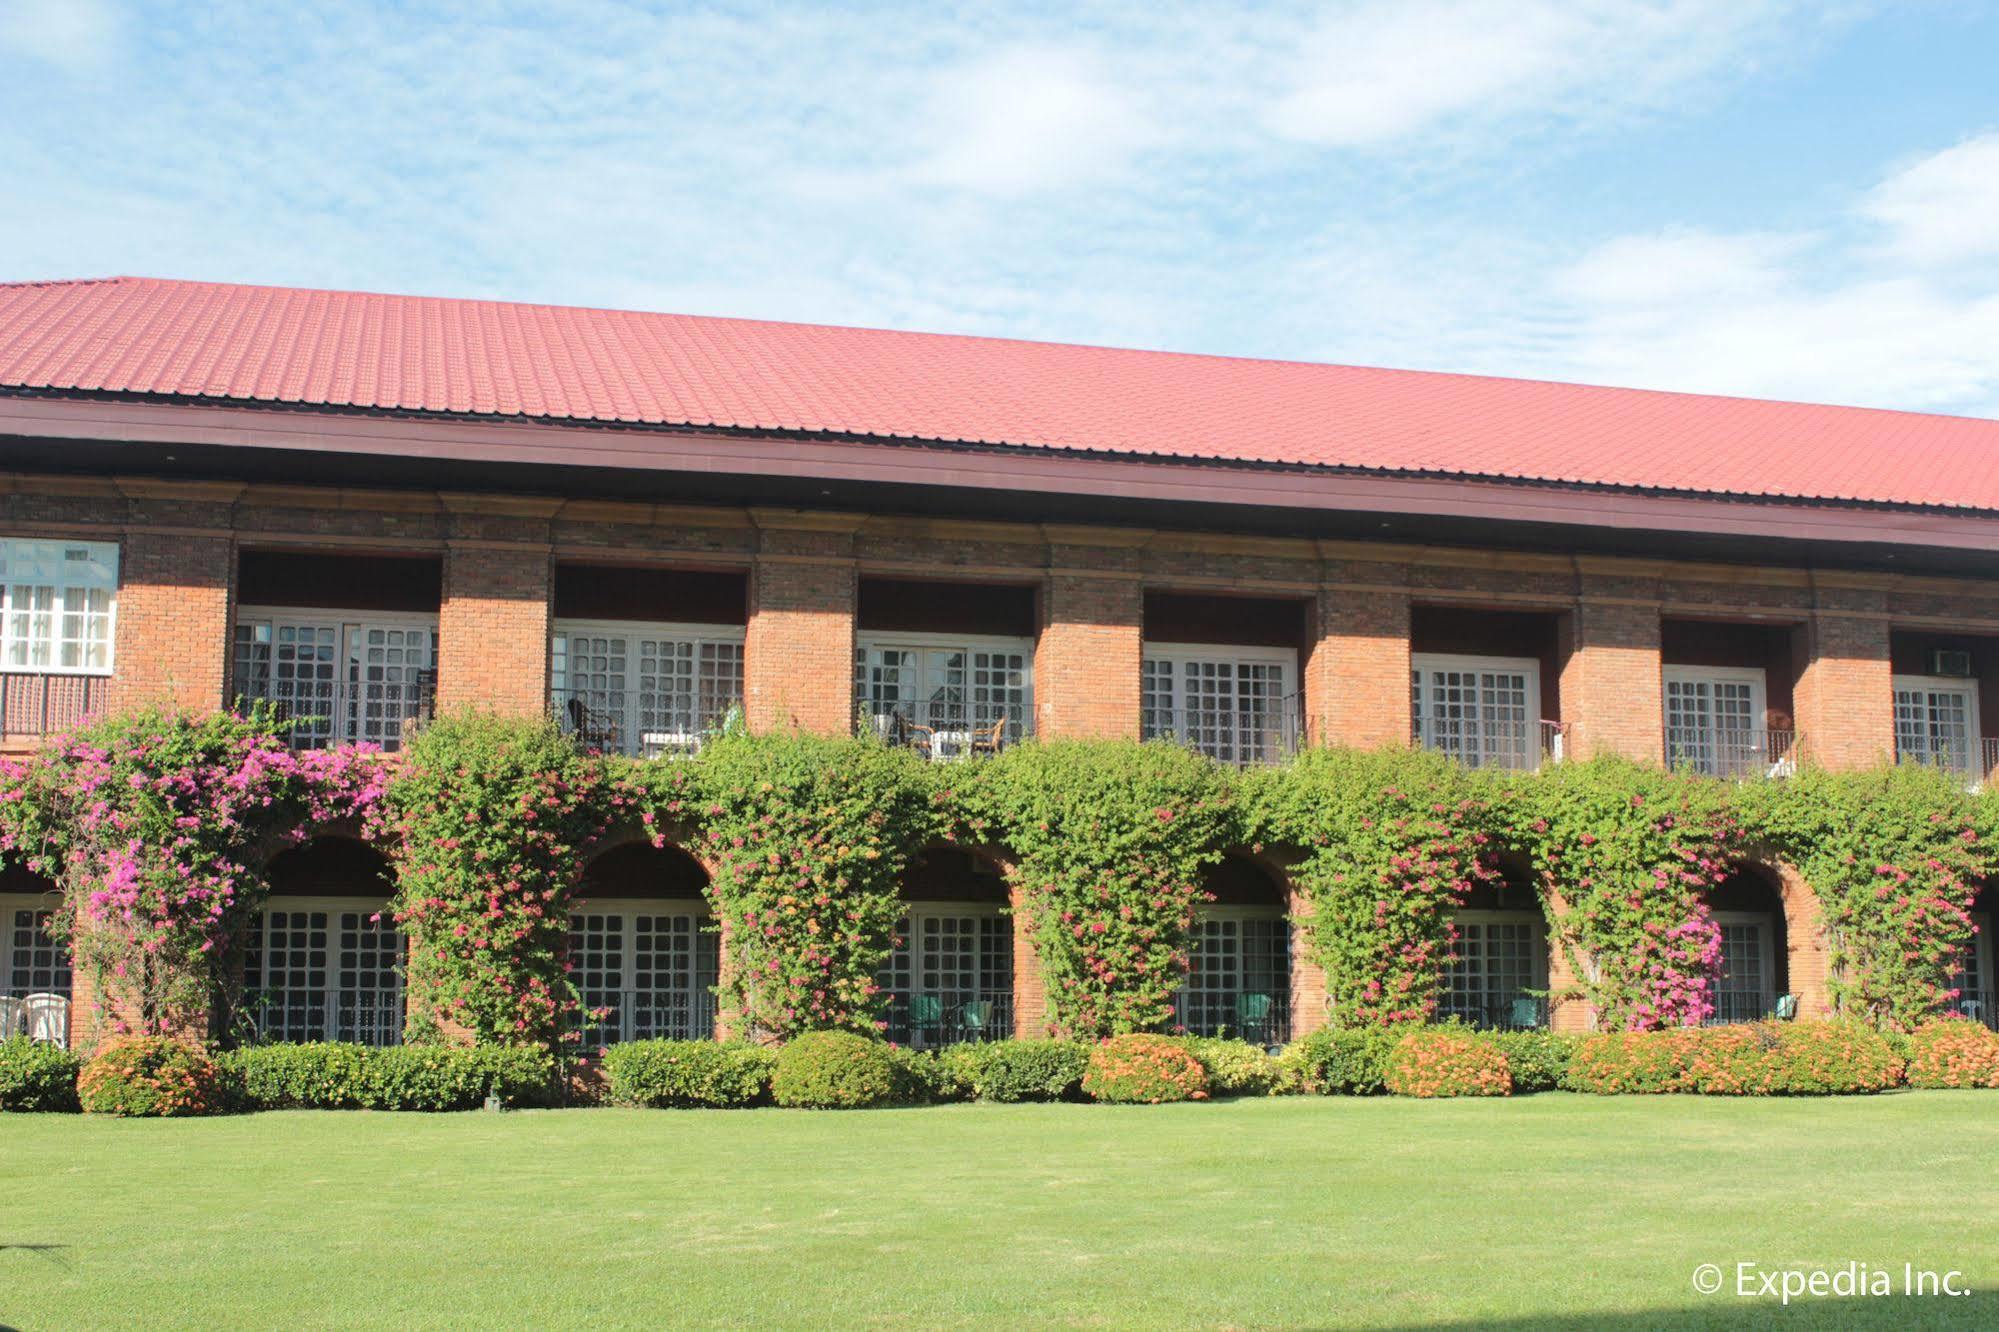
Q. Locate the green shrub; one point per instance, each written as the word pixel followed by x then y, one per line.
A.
pixel 1953 1053
pixel 1015 1070
pixel 725 1074
pixel 1144 1070
pixel 298 1077
pixel 1352 1061
pixel 150 1076
pixel 1236 1068
pixel 1536 1059
pixel 445 1077
pixel 1448 1061
pixel 924 1077
pixel 836 1070
pixel 35 1075
pixel 1749 1059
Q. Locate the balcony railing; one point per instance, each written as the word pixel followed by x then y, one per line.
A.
pixel 1972 760
pixel 363 1017
pixel 1259 1017
pixel 944 729
pixel 1732 1006
pixel 1512 746
pixel 1733 754
pixel 38 705
pixel 324 714
pixel 1244 736
pixel 1976 1005
pixel 1493 1012
pixel 928 1020
pixel 610 1016
pixel 641 723
pixel 39 1017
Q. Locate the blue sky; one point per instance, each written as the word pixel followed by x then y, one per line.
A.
pixel 1733 196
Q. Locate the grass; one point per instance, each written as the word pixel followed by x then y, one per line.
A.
pixel 1548 1210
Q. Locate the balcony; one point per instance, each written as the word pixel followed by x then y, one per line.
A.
pixel 1739 755
pixel 943 729
pixel 39 705
pixel 1250 732
pixel 641 723
pixel 338 677
pixel 1507 746
pixel 1971 760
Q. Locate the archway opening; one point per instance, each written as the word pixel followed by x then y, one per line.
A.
pixel 1497 977
pixel 1239 969
pixel 644 952
pixel 950 976
pixel 1754 969
pixel 323 960
pixel 1972 977
pixel 35 971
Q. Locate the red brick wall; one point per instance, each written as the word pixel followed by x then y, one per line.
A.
pixel 1308 978
pixel 1030 991
pixel 1086 663
pixel 1845 692
pixel 174 612
pixel 798 656
pixel 1357 673
pixel 492 633
pixel 1611 686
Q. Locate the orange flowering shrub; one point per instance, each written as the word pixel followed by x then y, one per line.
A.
pixel 1448 1063
pixel 1749 1059
pixel 150 1076
pixel 1144 1070
pixel 1953 1053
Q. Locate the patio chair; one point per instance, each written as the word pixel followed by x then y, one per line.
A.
pixel 1252 1013
pixel 926 1015
pixel 1786 1007
pixel 47 1018
pixel 974 1016
pixel 990 739
pixel 13 1016
pixel 1523 1014
pixel 591 731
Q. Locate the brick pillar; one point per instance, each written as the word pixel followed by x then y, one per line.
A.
pixel 1564 1015
pixel 798 655
pixel 1611 693
pixel 492 629
pixel 1845 695
pixel 1308 978
pixel 175 603
pixel 1030 991
pixel 1808 965
pixel 1357 672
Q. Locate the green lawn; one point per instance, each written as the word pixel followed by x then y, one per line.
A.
pixel 1278 1212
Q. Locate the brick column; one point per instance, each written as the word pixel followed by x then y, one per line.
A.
pixel 175 604
pixel 1087 659
pixel 1030 991
pixel 1808 964
pixel 798 656
pixel 1564 1015
pixel 1308 978
pixel 492 629
pixel 1845 695
pixel 1611 691
pixel 1357 672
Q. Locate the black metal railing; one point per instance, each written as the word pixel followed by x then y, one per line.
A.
pixel 1257 1016
pixel 48 704
pixel 1737 754
pixel 944 729
pixel 363 1017
pixel 380 712
pixel 1245 736
pixel 1732 1006
pixel 642 723
pixel 1512 746
pixel 1494 1012
pixel 1976 1005
pixel 1972 760
pixel 610 1016
pixel 929 1020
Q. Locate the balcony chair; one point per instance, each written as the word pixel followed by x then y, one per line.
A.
pixel 590 731
pixel 1252 1012
pixel 13 1017
pixel 45 1017
pixel 1523 1014
pixel 990 739
pixel 926 1015
pixel 974 1016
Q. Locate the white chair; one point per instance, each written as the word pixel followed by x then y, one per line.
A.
pixel 47 1018
pixel 13 1016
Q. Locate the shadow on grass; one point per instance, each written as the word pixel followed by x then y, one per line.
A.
pixel 1980 1308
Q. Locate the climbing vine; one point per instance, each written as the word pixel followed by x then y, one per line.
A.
pixel 156 824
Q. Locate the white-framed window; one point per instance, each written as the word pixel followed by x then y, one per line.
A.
pixel 1714 720
pixel 952 691
pixel 58 606
pixel 1745 978
pixel 1500 958
pixel 1238 979
pixel 644 969
pixel 951 976
pixel 1482 711
pixel 1936 722
pixel 1972 978
pixel 646 689
pixel 324 969
pixel 1232 703
pixel 342 676
pixel 32 962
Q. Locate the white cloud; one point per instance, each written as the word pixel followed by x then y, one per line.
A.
pixel 77 36
pixel 1944 208
pixel 1678 266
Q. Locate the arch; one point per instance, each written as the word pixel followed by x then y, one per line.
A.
pixel 331 865
pixel 1504 956
pixel 322 958
pixel 1241 975
pixel 638 869
pixel 1760 886
pixel 949 872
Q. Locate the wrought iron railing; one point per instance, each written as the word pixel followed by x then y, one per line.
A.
pixel 1739 754
pixel 47 704
pixel 39 1017
pixel 362 1017
pixel 1245 736
pixel 1515 746
pixel 610 1016
pixel 1976 1005
pixel 944 729
pixel 380 712
pixel 928 1020
pixel 1974 760
pixel 1732 1006
pixel 1494 1012
pixel 642 723
pixel 1257 1016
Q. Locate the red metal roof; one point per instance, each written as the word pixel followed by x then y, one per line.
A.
pixel 425 354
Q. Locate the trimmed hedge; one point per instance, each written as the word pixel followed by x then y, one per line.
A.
pixel 1144 1070
pixel 151 1077
pixel 1538 1059
pixel 723 1075
pixel 445 1077
pixel 312 1076
pixel 1446 1061
pixel 1020 1070
pixel 1349 1061
pixel 1236 1068
pixel 1953 1053
pixel 1751 1059
pixel 37 1076
pixel 837 1070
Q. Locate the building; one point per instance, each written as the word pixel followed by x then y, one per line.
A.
pixel 364 507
